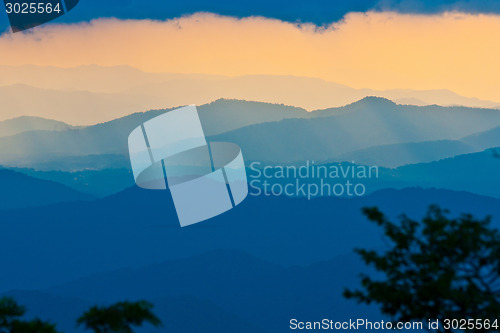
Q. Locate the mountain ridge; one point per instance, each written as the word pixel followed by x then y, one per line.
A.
pixel 54 240
pixel 269 132
pixel 21 191
pixel 170 89
pixel 23 124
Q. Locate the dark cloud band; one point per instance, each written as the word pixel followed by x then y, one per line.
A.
pixel 319 12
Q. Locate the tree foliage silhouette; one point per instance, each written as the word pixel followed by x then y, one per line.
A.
pixel 119 318
pixel 439 268
pixel 11 322
pixel 32 326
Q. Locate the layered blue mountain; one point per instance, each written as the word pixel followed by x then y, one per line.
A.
pixel 367 123
pixel 217 290
pixel 259 265
pixel 20 191
pixel 137 227
pixel 399 154
pixel 100 183
pixel 81 148
pixel 484 140
pixel 178 314
pixel 25 124
pixel 280 134
pixel 255 267
pixel 474 172
pixel 477 173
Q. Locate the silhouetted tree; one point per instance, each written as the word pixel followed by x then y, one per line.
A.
pixel 119 317
pixel 439 268
pixel 9 311
pixel 10 319
pixel 32 326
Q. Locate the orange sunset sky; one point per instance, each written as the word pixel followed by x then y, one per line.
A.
pixel 380 50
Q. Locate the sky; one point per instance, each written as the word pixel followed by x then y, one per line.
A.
pixel 363 44
pixel 319 12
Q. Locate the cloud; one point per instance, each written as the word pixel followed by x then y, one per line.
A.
pixel 319 12
pixel 377 50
